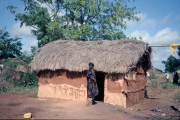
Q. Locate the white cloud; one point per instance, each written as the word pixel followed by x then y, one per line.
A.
pixel 21 31
pixel 156 31
pixel 143 22
pixel 27 38
pixel 164 36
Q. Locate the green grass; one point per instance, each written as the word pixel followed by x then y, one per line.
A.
pixel 177 96
pixel 6 87
pixel 168 85
pixel 153 83
pixel 23 90
pixel 170 117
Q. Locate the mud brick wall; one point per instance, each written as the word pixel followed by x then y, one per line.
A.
pixel 63 85
pixel 125 92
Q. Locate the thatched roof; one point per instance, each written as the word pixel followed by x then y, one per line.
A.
pixel 23 68
pixel 108 56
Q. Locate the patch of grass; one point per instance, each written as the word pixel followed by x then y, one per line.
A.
pixel 168 85
pixel 153 83
pixel 159 117
pixel 3 88
pixel 6 87
pixel 177 96
pixel 153 75
pixel 23 90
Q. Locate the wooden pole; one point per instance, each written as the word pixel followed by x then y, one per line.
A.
pixel 159 45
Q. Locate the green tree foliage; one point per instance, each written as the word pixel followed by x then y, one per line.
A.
pixel 28 57
pixel 178 51
pixel 76 19
pixel 18 78
pixel 172 64
pixel 9 47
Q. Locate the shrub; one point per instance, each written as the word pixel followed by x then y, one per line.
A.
pixel 176 97
pixel 3 88
pixel 9 73
pixel 27 79
pixel 17 78
pixel 153 76
pixel 168 85
pixel 154 83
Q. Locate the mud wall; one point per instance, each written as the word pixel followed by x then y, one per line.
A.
pixel 133 98
pixel 63 85
pixel 125 92
pixel 113 92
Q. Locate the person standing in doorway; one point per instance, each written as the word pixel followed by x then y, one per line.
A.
pixel 92 89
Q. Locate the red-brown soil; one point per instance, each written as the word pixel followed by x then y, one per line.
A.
pixel 13 106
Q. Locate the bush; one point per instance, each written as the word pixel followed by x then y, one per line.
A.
pixel 176 96
pixel 27 79
pixel 168 85
pixel 154 83
pixel 9 73
pixel 15 81
pixel 9 88
pixel 153 76
pixel 17 78
pixel 3 88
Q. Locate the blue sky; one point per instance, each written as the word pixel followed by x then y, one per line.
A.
pixel 159 25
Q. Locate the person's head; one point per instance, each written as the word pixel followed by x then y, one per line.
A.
pixel 91 65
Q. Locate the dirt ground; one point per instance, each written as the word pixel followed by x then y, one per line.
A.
pixel 13 106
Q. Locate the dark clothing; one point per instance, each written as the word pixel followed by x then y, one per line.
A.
pixel 92 89
pixel 175 78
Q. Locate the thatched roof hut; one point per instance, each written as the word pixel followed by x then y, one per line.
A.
pixel 108 56
pixel 120 70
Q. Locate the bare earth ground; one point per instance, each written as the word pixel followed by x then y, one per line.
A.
pixel 13 106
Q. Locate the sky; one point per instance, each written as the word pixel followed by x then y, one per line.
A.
pixel 159 25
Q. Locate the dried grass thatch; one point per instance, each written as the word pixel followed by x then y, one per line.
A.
pixel 108 56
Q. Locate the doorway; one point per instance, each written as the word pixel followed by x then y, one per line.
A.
pixel 100 77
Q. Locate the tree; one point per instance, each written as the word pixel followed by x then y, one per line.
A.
pixel 9 47
pixel 76 19
pixel 27 57
pixel 17 77
pixel 178 51
pixel 172 64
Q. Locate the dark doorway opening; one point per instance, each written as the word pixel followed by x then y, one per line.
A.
pixel 100 77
